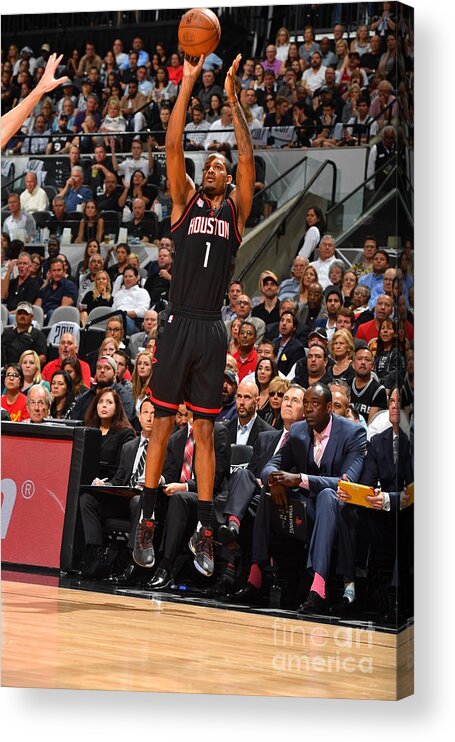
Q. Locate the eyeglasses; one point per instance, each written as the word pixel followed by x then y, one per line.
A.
pixel 12 376
pixel 276 394
pixel 37 403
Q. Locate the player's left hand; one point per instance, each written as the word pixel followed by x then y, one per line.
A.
pixel 192 71
pixel 173 487
pixel 48 81
pixel 229 83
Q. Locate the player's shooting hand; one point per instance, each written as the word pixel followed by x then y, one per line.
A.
pixel 192 71
pixel 229 83
pixel 48 81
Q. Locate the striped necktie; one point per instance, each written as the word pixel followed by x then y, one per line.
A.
pixel 317 451
pixel 140 466
pixel 187 466
pixel 284 439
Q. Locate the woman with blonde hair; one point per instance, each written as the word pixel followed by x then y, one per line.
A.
pixel 341 349
pixel 277 389
pixel 31 368
pixel 99 296
pixel 361 43
pixel 282 42
pixel 309 276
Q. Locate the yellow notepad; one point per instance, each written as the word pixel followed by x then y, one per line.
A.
pixel 357 492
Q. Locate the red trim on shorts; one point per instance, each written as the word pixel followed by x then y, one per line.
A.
pixel 208 410
pixel 188 207
pixel 234 214
pixel 164 404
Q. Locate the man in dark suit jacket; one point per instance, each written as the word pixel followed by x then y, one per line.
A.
pixel 245 483
pixel 320 451
pixel 388 470
pixel 181 518
pixel 246 425
pixel 287 348
pixel 96 508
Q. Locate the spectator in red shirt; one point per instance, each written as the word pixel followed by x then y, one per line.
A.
pixel 66 349
pixel 13 401
pixel 246 355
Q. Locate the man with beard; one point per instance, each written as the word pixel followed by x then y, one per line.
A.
pixel 230 384
pixel 106 369
pixel 368 396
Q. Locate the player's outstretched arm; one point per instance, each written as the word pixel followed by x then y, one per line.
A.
pixel 180 184
pixel 246 174
pixel 13 120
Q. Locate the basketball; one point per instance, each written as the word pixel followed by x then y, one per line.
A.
pixel 199 32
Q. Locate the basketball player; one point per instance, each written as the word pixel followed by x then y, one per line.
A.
pixel 207 228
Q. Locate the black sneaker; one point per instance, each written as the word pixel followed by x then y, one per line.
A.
pixel 100 566
pixel 201 544
pixel 143 552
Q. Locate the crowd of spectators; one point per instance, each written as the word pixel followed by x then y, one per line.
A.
pixel 350 329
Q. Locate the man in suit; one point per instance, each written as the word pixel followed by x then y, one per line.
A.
pixel 288 350
pixel 245 483
pixel 246 425
pixel 318 452
pixel 139 339
pixel 96 508
pixel 388 470
pixel 180 488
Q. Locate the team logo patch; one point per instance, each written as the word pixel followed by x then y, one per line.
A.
pixel 200 203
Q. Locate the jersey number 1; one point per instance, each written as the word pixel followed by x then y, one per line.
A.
pixel 207 253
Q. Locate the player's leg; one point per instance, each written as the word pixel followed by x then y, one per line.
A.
pixel 201 543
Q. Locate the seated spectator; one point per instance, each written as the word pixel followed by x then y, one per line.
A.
pixel 72 366
pixel 106 370
pixel 91 226
pixel 163 90
pixel 336 273
pixel 141 378
pixel 213 113
pixel 14 401
pixel 138 188
pixel 90 59
pixel 36 141
pixel 312 311
pixel 243 311
pixel 175 69
pixel 333 299
pixel 97 168
pixel 20 224
pixel 246 355
pixel 87 280
pixel 110 199
pixel 90 109
pixel 228 312
pixel 30 364
pixel 132 106
pixel 368 331
pixel 38 403
pixel 347 287
pixel 266 370
pixel 62 136
pixel 277 389
pixel 221 133
pixel 92 248
pixel 143 227
pixel 58 291
pixel 98 296
pixel 287 348
pixel 233 340
pixel 132 299
pixel 113 124
pixel 158 284
pixel 326 258
pixel 384 108
pixel 34 198
pixel 22 337
pixel 314 368
pixel 314 75
pixel 196 129
pixel 75 192
pixel 368 396
pixel 389 355
pixel 342 348
pixel 362 126
pixel 59 218
pixel 23 288
pixel 127 167
pixel 67 348
pixel 62 392
pixel 268 308
pixel 107 414
pixel 330 129
pixel 228 406
pixel 309 276
pixel 139 339
pixel 122 253
pixel 208 88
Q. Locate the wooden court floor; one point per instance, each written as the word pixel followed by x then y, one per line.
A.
pixel 54 637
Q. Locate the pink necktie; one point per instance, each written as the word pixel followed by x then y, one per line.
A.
pixel 317 453
pixel 284 439
pixel 187 466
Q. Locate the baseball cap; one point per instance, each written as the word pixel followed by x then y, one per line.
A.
pixel 45 48
pixel 231 375
pixel 320 332
pixel 267 275
pixel 24 306
pixel 109 360
pixel 26 49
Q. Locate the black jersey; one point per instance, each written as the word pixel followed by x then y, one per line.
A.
pixel 206 244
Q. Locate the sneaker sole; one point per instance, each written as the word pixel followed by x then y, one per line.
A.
pixel 202 571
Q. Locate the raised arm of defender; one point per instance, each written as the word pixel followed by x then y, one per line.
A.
pixel 180 184
pixel 246 175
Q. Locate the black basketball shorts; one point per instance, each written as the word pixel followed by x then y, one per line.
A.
pixel 190 357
